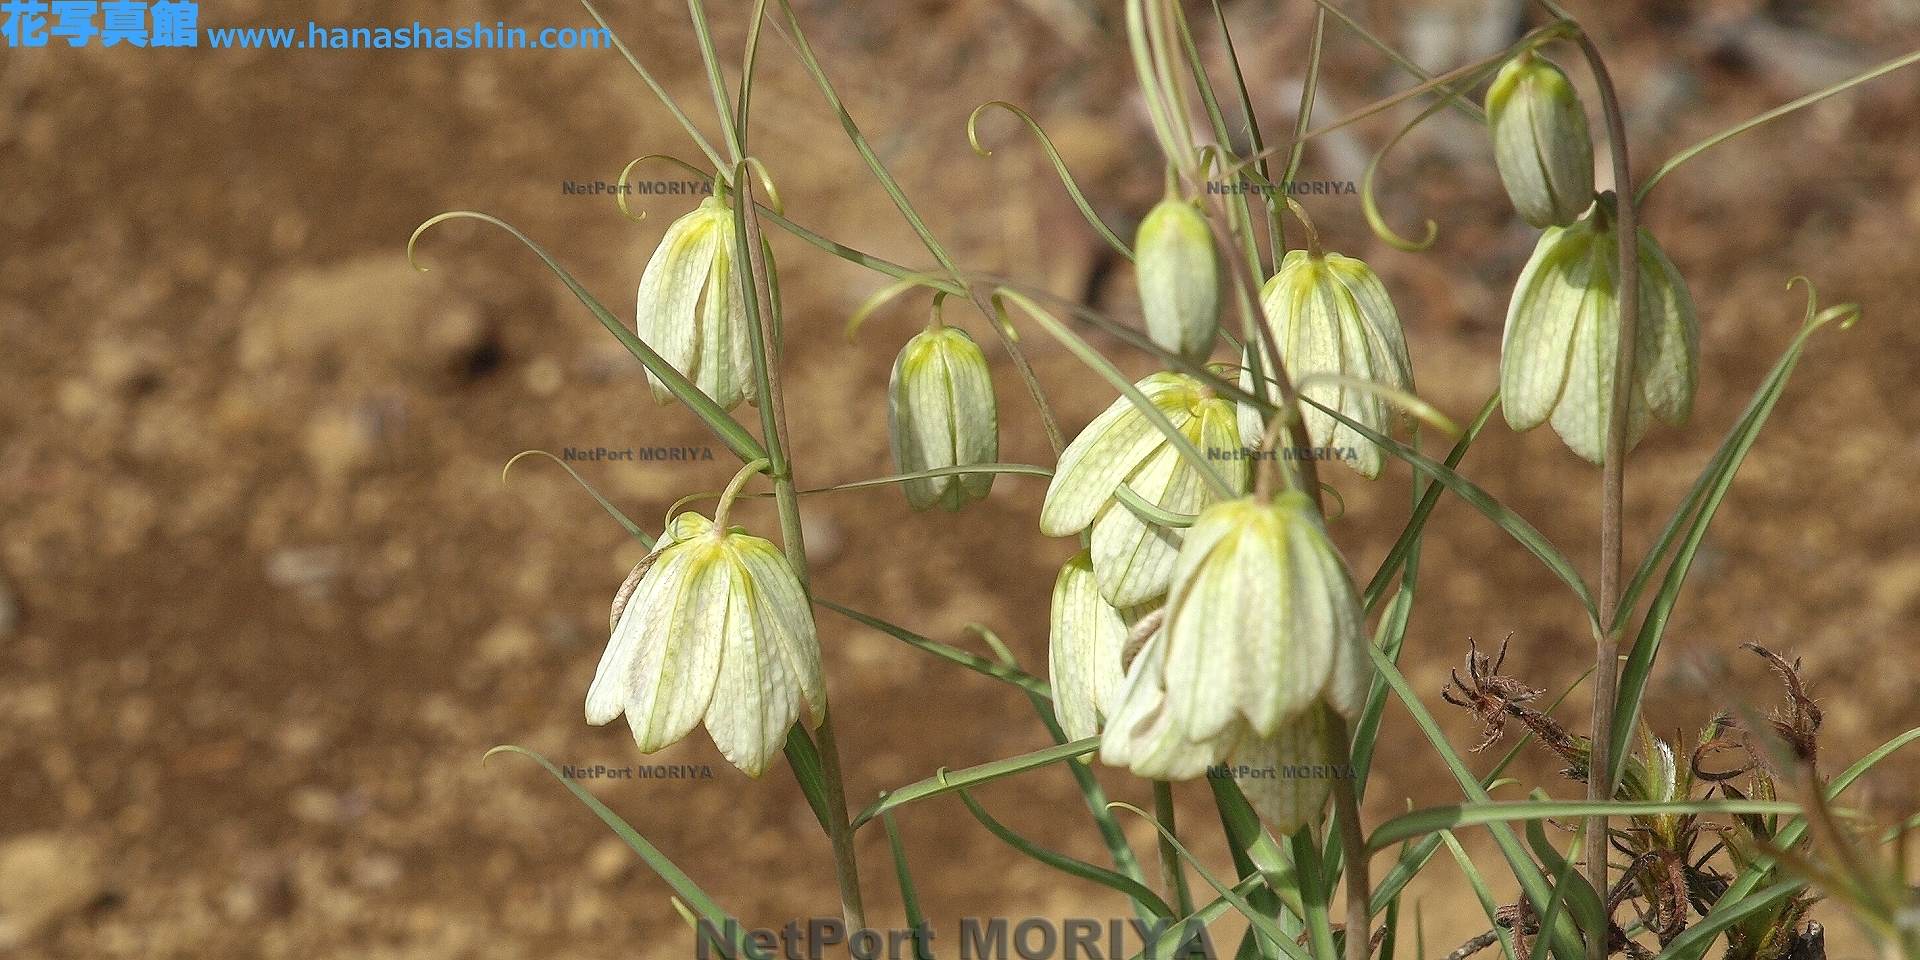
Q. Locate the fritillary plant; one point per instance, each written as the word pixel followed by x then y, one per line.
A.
pixel 1209 628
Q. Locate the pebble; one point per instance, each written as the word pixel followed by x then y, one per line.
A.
pixel 309 569
pixel 264 888
pixel 377 871
pixel 43 877
pixel 544 378
pixel 609 860
pixel 824 536
pixel 509 642
pixel 314 805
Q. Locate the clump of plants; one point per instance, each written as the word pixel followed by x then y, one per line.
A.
pixel 1209 628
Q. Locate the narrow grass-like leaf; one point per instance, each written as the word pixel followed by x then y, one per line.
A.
pixel 1095 796
pixel 1569 886
pixel 1243 831
pixel 1699 937
pixel 722 102
pixel 1019 678
pixel 1162 946
pixel 1276 237
pixel 628 525
pixel 810 772
pixel 1151 513
pixel 1481 891
pixel 1771 115
pixel 798 39
pixel 1066 864
pixel 1316 889
pixel 729 430
pixel 1028 469
pixel 686 123
pixel 1455 97
pixel 945 782
pixel 1414 859
pixel 1259 920
pixel 1515 526
pixel 857 257
pixel 748 61
pixel 1388 637
pixel 1101 365
pixel 1248 836
pixel 1708 493
pixel 909 900
pixel 1407 826
pixel 1059 167
pixel 1563 939
pixel 654 859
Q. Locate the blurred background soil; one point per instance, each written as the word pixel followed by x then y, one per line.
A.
pixel 265 600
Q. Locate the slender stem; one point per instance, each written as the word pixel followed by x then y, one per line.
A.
pixel 1770 116
pixel 1248 289
pixel 721 100
pixel 959 283
pixel 686 122
pixel 1353 851
pixel 774 422
pixel 1606 675
pixel 1173 874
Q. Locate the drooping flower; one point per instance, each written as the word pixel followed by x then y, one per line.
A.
pixel 1561 344
pixel 941 413
pixel 690 308
pixel 1288 777
pixel 1143 734
pixel 1086 640
pixel 1332 315
pixel 1263 632
pixel 1540 141
pixel 1133 556
pixel 1179 278
pixel 717 629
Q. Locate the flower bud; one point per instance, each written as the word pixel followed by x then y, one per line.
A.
pixel 1540 141
pixel 717 629
pixel 941 413
pixel 1133 557
pixel 1561 345
pixel 690 310
pixel 1332 315
pixel 1179 279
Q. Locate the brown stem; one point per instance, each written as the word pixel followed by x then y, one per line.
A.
pixel 1353 850
pixel 1606 677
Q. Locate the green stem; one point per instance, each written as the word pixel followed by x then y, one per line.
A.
pixel 1768 117
pixel 686 122
pixel 773 414
pixel 1173 874
pixel 721 100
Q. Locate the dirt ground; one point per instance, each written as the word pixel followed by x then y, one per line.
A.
pixel 265 599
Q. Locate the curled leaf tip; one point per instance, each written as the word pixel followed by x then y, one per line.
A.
pixel 503 748
pixel 516 459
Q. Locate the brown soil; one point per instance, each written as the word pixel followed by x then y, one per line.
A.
pixel 270 600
